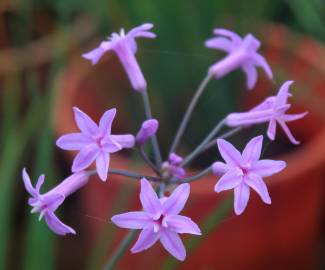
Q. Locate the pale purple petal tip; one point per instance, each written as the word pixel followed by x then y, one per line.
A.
pixel 131 220
pixel 241 198
pixel 94 55
pixel 173 244
pixel 252 151
pixel 176 201
pixel 73 141
pixel 56 225
pixel 102 165
pixel 182 224
pixel 105 123
pixel 147 130
pixel 257 183
pixel 28 185
pixel 147 239
pixel 87 126
pixel 149 199
pixel 228 152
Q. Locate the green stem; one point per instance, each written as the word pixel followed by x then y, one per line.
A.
pixel 147 160
pixel 120 250
pixel 189 112
pixel 154 141
pixel 199 148
pixel 223 136
pixel 127 174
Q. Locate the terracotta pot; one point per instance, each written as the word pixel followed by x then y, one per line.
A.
pixel 284 235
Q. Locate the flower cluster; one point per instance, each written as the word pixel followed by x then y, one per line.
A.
pixel 160 218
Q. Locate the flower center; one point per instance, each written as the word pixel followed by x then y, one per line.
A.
pixel 158 223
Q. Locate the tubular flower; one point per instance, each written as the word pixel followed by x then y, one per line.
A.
pixel 125 47
pixel 172 167
pixel 94 142
pixel 242 53
pixel 272 110
pixel 160 220
pixel 244 171
pixel 47 203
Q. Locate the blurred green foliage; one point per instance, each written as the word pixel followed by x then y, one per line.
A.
pixel 174 64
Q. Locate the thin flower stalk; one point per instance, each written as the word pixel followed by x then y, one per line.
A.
pixel 189 112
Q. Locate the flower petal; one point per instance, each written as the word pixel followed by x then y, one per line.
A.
pixel 39 183
pixel 102 165
pixel 252 151
pixel 132 220
pixel 260 61
pixel 105 123
pixel 147 239
pixel 149 199
pixel 288 132
pixel 87 126
pixel 283 94
pixel 173 244
pixel 94 55
pixel 176 201
pixel 126 141
pixel 271 130
pixel 28 184
pixel 241 198
pixel 227 33
pixel 267 167
pixel 85 157
pixel 73 141
pixel 293 117
pixel 56 225
pixel 181 224
pixel 219 43
pixel 251 75
pixel 229 153
pixel 257 183
pixel 230 180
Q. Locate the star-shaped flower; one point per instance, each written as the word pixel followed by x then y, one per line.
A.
pixel 244 171
pixel 47 203
pixel 160 220
pixel 272 110
pixel 125 46
pixel 95 142
pixel 242 53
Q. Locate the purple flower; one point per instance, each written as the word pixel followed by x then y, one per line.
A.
pixel 94 142
pixel 172 167
pixel 147 130
pixel 244 171
pixel 125 46
pixel 242 53
pixel 272 110
pixel 47 203
pixel 160 220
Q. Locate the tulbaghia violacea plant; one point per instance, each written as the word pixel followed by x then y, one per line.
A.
pixel 160 219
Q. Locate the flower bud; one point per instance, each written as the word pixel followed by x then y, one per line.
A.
pixel 147 130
